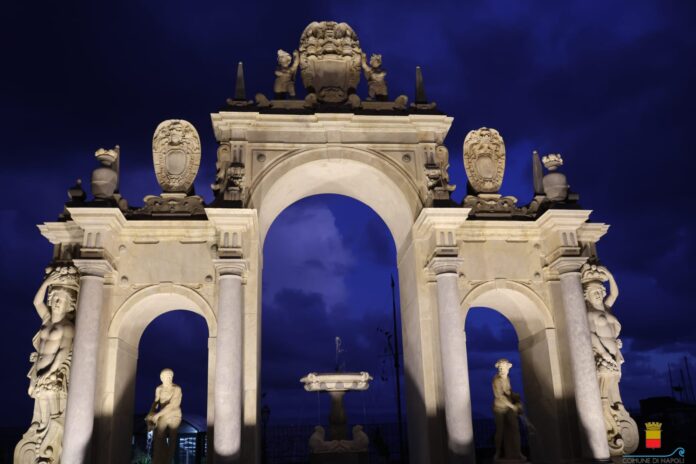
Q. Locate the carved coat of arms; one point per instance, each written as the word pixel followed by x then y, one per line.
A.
pixel 330 60
pixel 484 159
pixel 176 152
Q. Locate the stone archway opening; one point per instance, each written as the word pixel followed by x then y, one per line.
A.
pixel 125 333
pixel 490 336
pixel 327 266
pixel 176 340
pixel 535 337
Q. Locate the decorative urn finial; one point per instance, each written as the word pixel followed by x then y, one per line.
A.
pixel 555 182
pixel 105 177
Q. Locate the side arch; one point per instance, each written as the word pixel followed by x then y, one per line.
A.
pixel 365 175
pixel 116 392
pixel 541 372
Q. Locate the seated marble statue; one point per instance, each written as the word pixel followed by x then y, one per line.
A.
pixel 165 418
pixel 506 409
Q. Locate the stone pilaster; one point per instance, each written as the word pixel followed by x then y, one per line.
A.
pixel 587 398
pixel 455 369
pixel 79 416
pixel 228 363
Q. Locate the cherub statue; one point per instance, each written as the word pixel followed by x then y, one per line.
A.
pixel 375 75
pixel 507 407
pixel 622 431
pixel 165 418
pixel 285 72
pixel 50 371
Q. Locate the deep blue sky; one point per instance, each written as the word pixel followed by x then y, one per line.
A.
pixel 607 84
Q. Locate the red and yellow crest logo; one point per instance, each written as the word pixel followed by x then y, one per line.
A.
pixel 653 435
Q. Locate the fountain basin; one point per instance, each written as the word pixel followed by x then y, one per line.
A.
pixel 336 381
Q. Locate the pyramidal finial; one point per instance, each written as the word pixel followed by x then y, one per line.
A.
pixel 420 87
pixel 239 90
pixel 537 174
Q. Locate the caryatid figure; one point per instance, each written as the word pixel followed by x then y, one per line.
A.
pixel 285 72
pixel 622 431
pixel 165 418
pixel 507 407
pixel 50 372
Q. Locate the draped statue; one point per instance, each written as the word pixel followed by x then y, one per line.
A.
pixel 507 407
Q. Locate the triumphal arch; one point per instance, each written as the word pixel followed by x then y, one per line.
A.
pixel 116 267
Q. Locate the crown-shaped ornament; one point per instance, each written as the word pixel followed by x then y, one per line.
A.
pixel 107 156
pixel 653 425
pixel 552 161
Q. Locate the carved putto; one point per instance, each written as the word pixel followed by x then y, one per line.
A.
pixel 622 431
pixel 375 75
pixel 50 372
pixel 484 159
pixel 330 60
pixel 286 70
pixel 176 152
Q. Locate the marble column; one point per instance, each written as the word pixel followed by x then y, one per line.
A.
pixel 455 369
pixel 228 363
pixel 587 398
pixel 79 414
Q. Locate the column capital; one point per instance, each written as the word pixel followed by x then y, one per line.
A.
pixel 93 267
pixel 235 267
pixel 567 264
pixel 445 265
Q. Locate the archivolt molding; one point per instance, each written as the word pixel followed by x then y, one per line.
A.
pixel 519 303
pixel 143 306
pixel 403 177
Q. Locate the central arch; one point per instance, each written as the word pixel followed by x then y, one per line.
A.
pixel 115 413
pixel 389 189
pixel 354 172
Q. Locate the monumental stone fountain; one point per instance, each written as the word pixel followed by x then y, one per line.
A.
pixel 338 449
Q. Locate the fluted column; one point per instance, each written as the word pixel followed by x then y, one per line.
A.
pixel 228 363
pixel 79 414
pixel 587 398
pixel 455 369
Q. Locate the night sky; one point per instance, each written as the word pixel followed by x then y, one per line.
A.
pixel 607 84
